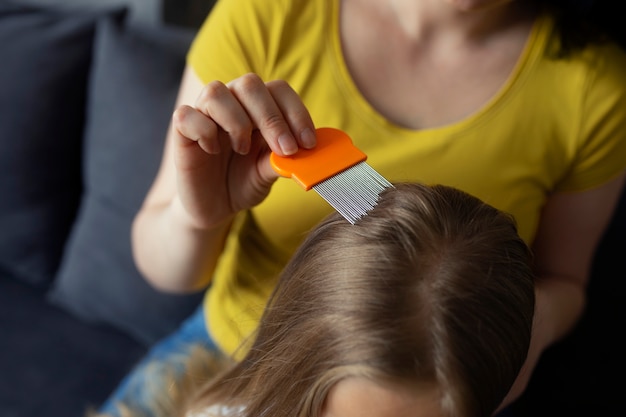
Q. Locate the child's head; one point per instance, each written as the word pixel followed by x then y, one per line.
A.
pixel 432 289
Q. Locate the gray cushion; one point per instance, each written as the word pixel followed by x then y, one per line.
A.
pixel 133 86
pixel 45 57
pixel 139 11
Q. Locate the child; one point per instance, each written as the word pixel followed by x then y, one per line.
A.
pixel 426 302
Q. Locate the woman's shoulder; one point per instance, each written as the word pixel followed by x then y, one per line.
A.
pixel 599 55
pixel 262 15
pixel 598 62
pixel 606 60
pixel 274 6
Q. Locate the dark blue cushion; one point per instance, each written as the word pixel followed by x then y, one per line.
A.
pixel 44 63
pixel 133 86
pixel 52 364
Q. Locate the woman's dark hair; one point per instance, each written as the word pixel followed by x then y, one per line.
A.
pixel 581 22
pixel 433 285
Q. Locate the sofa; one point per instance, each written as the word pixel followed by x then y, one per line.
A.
pixel 86 95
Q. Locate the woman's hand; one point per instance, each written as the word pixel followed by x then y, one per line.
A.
pixel 215 163
pixel 222 145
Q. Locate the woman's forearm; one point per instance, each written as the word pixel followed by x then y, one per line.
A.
pixel 171 253
pixel 559 304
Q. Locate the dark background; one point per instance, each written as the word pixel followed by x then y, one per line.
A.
pixel 189 13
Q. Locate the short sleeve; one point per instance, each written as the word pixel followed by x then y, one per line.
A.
pixel 236 38
pixel 602 148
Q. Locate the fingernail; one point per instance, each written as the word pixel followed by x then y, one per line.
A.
pixel 287 144
pixel 243 148
pixel 308 138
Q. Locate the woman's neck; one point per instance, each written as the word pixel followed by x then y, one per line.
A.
pixel 428 63
pixel 455 21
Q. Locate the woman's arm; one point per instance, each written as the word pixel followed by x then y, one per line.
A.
pixel 169 249
pixel 570 230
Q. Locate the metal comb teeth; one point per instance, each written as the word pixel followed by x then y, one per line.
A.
pixel 354 191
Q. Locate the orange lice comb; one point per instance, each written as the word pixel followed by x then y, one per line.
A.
pixel 337 171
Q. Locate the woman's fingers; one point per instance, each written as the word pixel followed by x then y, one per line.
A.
pixel 277 112
pixel 243 106
pixel 267 117
pixel 294 112
pixel 197 127
pixel 219 103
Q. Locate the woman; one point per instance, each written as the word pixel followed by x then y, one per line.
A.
pixel 510 101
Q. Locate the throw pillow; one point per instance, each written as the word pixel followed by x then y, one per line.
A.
pixel 133 87
pixel 45 57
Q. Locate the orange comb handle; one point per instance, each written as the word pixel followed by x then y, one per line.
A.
pixel 333 153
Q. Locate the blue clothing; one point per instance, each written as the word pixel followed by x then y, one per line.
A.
pixel 166 356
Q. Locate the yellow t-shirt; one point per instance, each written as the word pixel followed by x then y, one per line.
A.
pixel 557 124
